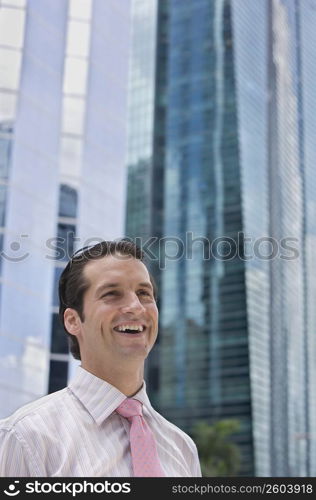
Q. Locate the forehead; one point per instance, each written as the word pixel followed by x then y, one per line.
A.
pixel 120 268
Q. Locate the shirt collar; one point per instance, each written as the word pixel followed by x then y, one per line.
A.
pixel 98 396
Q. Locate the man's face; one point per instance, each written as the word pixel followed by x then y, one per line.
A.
pixel 120 296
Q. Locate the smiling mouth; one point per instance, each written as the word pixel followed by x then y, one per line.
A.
pixel 130 331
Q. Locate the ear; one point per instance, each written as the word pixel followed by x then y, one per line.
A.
pixel 72 321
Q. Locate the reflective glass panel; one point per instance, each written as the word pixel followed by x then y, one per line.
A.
pixel 70 156
pixel 5 149
pixel 3 193
pixel 14 3
pixel 75 76
pixel 7 106
pixel 59 343
pixel 58 373
pixel 67 201
pixel 11 27
pixel 80 9
pixel 73 115
pixel 10 64
pixel 66 233
pixel 78 39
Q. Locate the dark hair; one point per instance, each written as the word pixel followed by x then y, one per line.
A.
pixel 73 284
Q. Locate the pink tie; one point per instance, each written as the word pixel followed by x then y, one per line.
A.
pixel 143 447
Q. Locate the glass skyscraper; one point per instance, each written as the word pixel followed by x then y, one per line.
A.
pixel 275 132
pixel 220 173
pixel 63 108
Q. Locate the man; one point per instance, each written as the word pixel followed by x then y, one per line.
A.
pixel 108 309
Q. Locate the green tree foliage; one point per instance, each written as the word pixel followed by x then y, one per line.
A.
pixel 219 456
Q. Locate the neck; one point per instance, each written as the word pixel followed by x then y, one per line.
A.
pixel 127 381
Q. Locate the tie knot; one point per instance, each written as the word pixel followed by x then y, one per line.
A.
pixel 130 408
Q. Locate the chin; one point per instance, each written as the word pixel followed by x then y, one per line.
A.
pixel 133 352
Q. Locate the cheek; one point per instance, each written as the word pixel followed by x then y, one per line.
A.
pixel 154 313
pixel 98 319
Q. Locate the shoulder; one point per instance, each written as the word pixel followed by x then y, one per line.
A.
pixel 25 434
pixel 43 409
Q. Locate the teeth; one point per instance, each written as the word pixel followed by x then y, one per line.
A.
pixel 136 328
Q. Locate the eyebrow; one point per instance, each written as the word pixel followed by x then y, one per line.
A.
pixel 115 285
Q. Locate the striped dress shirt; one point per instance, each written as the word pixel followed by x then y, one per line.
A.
pixel 76 432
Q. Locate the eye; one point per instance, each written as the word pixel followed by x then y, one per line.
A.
pixel 144 292
pixel 113 292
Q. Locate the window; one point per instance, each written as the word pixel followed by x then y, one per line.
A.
pixel 80 9
pixel 65 242
pixel 75 76
pixel 59 344
pixel 73 115
pixel 78 39
pixel 10 64
pixel 58 375
pixel 67 201
pixel 3 193
pixel 11 27
pixel 5 151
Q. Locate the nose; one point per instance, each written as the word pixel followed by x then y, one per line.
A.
pixel 133 304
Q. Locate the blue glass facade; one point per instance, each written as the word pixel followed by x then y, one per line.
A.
pixel 200 367
pixel 307 22
pixel 141 117
pixel 231 164
pixel 274 133
pixel 251 45
pixel 203 347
